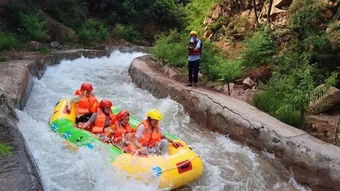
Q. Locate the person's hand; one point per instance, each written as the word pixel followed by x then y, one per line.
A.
pixel 176 144
pixel 85 125
pixel 67 108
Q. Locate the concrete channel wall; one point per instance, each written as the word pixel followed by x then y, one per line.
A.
pixel 18 170
pixel 314 162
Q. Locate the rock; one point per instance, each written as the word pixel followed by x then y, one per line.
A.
pixel 327 101
pixel 333 34
pixel 282 3
pixel 278 15
pixel 248 83
pixel 34 45
pixel 327 13
pixel 216 12
pixel 172 72
pixel 239 81
pixel 323 126
pixel 225 88
pixel 55 44
pixel 207 33
pixel 58 31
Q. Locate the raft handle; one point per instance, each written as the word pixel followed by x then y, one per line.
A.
pixel 184 166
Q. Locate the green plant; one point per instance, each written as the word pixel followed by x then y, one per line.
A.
pixel 196 11
pixel 171 49
pixel 7 41
pixel 163 12
pixel 93 31
pixel 72 13
pixel 5 150
pixel 305 17
pixel 229 71
pixel 33 26
pixel 130 33
pixel 44 49
pixel 259 50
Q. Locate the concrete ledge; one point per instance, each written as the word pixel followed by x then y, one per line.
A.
pixel 314 162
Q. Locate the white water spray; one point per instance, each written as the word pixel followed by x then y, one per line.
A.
pixel 228 165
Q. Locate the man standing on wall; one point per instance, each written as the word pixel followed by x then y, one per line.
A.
pixel 194 50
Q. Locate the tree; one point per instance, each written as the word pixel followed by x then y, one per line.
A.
pixel 269 11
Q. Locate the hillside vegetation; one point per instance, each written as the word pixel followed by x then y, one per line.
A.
pixel 289 47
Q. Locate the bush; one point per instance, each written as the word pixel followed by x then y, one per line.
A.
pixel 196 10
pixel 7 41
pixel 93 31
pixel 44 49
pixel 72 13
pixel 171 49
pixel 305 17
pixel 259 50
pixel 288 94
pixel 163 12
pixel 33 26
pixel 129 32
pixel 230 70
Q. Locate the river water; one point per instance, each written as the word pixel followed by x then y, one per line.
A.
pixel 228 165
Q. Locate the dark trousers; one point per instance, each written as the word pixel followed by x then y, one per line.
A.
pixel 84 118
pixel 193 71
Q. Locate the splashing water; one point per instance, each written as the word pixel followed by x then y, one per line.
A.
pixel 228 165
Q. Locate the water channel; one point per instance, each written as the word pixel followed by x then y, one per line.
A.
pixel 228 165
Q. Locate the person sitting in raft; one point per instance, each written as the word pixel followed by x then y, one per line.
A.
pixel 86 103
pixel 149 138
pixel 120 132
pixel 101 119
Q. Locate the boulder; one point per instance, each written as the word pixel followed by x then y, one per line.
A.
pixel 55 44
pixel 330 99
pixel 327 13
pixel 280 4
pixel 216 12
pixel 248 83
pixel 57 30
pixel 323 127
pixel 172 72
pixel 278 14
pixel 35 45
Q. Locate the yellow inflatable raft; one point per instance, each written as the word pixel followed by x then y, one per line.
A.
pixel 181 166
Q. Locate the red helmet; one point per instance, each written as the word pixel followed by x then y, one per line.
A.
pixel 86 86
pixel 105 103
pixel 121 115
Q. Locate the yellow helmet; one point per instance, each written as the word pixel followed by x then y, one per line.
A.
pixel 155 114
pixel 193 32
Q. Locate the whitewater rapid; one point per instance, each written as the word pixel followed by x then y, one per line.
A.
pixel 227 165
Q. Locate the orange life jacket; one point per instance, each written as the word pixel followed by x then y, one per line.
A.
pixel 99 124
pixel 86 104
pixel 149 137
pixel 120 131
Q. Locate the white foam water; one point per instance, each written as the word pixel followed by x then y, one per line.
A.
pixel 227 165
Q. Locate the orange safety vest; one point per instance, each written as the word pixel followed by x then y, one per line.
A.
pixel 120 131
pixel 86 104
pixel 99 124
pixel 149 137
